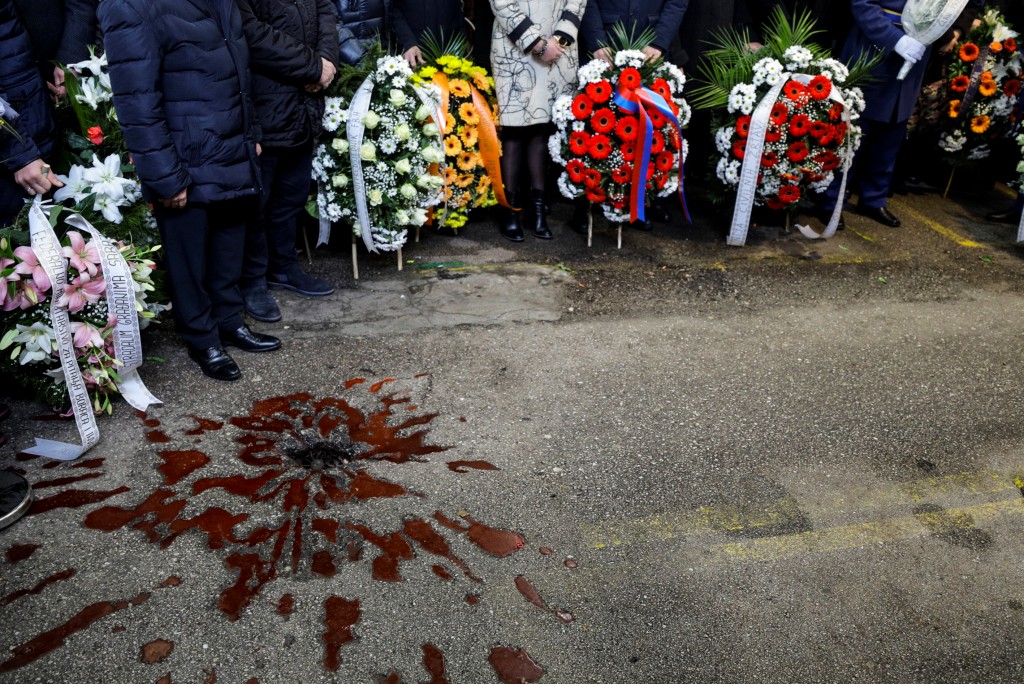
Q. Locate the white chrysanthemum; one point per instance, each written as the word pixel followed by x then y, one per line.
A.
pixel 388 145
pixel 561 111
pixel 741 97
pixel 798 57
pixel 592 72
pixel 578 126
pixel 723 139
pixel 684 113
pixel 555 149
pixel 684 149
pixel 732 172
pixel 953 142
pixel 673 76
pixel 671 186
pixel 633 58
pixel 566 187
pixel 980 152
pixel 834 70
pixel 614 215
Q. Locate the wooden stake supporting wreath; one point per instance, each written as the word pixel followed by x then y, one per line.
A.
pixel 949 184
pixel 399 258
pixel 355 258
pixel 590 228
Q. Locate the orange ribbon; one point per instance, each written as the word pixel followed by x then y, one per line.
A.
pixel 490 149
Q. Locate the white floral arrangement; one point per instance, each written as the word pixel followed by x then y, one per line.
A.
pixel 400 157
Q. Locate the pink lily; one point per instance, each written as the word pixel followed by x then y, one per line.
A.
pixel 86 335
pixel 30 266
pixel 5 280
pixel 84 258
pixel 83 291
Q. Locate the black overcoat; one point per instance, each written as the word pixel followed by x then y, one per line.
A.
pixel 412 19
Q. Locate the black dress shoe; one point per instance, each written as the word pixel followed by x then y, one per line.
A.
pixel 259 304
pixel 249 341
pixel 880 214
pixel 1011 216
pixel 215 363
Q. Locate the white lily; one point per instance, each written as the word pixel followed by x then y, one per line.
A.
pixel 108 207
pixel 75 185
pixel 106 179
pixel 91 94
pixel 94 65
pixel 38 342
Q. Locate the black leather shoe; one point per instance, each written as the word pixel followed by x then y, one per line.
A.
pixel 540 221
pixel 511 222
pixel 215 363
pixel 580 221
pixel 881 214
pixel 642 225
pixel 259 304
pixel 249 341
pixel 1011 216
pixel 657 213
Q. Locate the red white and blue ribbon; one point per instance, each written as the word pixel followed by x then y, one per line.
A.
pixel 641 101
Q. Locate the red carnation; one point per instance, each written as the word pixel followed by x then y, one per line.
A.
pixel 769 159
pixel 794 91
pixel 797 152
pixel 622 174
pixel 627 128
pixel 630 78
pixel 600 91
pixel 819 87
pixel 665 161
pixel 600 146
pixel 603 120
pixel 799 125
pixel 582 107
pixel 592 178
pixel 650 172
pixel 579 142
pixel 789 194
pixel 657 142
pixel 743 126
pixel 780 113
pixel 739 148
pixel 575 169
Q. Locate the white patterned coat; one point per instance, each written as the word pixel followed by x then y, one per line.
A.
pixel 527 87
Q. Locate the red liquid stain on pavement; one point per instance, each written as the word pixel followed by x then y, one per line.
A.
pixel 340 617
pixel 117 629
pixel 570 563
pixel 323 564
pixel 465 466
pixel 61 481
pixel 514 667
pixel 211 678
pixel 203 425
pixel 529 592
pixel 51 640
pixel 52 579
pixel 546 550
pixel 355 551
pixel 472 599
pixel 433 662
pixel 496 542
pixel 157 437
pixel 91 463
pixel 166 679
pixel 20 552
pixel 349 384
pixel 375 387
pixel 422 375
pixel 423 534
pixel 172 581
pixel 441 572
pixel 146 420
pixel 178 465
pixel 328 528
pixel 156 651
pixel 72 498
pixel 22 457
pixel 392 678
pixel 364 486
pixel 394 549
pixel 286 605
pixel 462 419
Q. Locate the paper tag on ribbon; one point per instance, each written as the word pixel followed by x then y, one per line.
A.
pixel 48 251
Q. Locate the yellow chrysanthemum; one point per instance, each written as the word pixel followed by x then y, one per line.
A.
pixel 988 88
pixel 467 161
pixel 980 124
pixel 467 112
pixel 469 136
pixel 452 146
pixel 465 180
pixel 459 88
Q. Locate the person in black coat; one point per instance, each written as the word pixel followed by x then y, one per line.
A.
pixel 24 172
pixel 601 17
pixel 293 53
pixel 413 20
pixel 360 22
pixel 60 31
pixel 180 76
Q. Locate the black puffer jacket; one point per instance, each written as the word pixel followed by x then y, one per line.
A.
pixel 286 39
pixel 22 87
pixel 360 22
pixel 412 19
pixel 180 74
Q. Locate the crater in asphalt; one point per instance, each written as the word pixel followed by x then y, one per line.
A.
pixel 313 452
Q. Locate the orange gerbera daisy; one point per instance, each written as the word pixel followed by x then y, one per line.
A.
pixel 458 87
pixel 467 112
pixel 452 146
pixel 980 124
pixel 960 84
pixel 467 161
pixel 465 180
pixel 969 52
pixel 988 88
pixel 450 174
pixel 468 135
pixel 483 185
pixel 954 109
pixel 449 122
pixel 480 81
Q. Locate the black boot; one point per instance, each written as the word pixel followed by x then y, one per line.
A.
pixel 580 221
pixel 540 221
pixel 510 224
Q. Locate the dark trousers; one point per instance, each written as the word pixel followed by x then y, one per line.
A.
pixel 873 165
pixel 12 198
pixel 202 246
pixel 270 238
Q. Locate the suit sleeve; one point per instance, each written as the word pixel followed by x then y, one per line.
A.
pixel 79 30
pixel 400 28
pixel 669 21
pixel 17 151
pixel 592 27
pixel 327 18
pixel 134 65
pixel 515 25
pixel 568 24
pixel 875 24
pixel 276 54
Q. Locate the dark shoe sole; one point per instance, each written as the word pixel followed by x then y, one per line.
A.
pixel 263 319
pixel 304 293
pixel 257 350
pixel 544 236
pixel 210 375
pixel 514 238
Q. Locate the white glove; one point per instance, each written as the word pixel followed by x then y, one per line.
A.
pixel 911 49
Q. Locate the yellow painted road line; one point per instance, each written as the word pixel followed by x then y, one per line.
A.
pixel 939 228
pixel 862 236
pixel 848 537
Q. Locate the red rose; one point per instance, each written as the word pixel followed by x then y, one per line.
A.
pixel 630 78
pixel 799 125
pixel 600 146
pixel 627 128
pixel 582 107
pixel 1010 45
pixel 575 169
pixel 789 194
pixel 819 87
pixel 579 142
pixel 603 120
pixel 780 113
pixel 743 126
pixel 797 152
pixel 95 134
pixel 600 91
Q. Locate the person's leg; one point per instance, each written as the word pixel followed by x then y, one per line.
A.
pixel 281 212
pixel 1011 215
pixel 879 151
pixel 512 144
pixel 253 284
pixel 537 156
